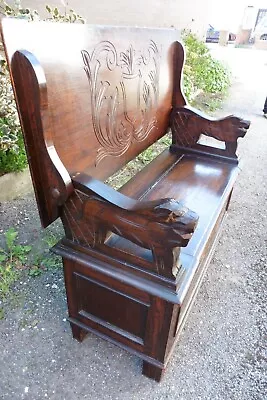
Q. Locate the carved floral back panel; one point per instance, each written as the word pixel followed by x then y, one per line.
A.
pixel 109 89
pixel 123 107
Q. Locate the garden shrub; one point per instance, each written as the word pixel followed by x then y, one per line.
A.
pixel 13 160
pixel 201 70
pixel 12 151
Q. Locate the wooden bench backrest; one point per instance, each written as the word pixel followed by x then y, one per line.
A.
pixel 105 94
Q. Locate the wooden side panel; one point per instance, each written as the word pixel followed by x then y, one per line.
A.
pixel 52 183
pixel 198 272
pixel 107 306
pixel 126 315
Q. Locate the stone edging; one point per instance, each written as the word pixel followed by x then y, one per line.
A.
pixel 15 184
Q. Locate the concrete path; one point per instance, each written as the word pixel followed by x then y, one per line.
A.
pixel 222 352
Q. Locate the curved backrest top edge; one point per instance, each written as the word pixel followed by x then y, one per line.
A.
pixel 110 88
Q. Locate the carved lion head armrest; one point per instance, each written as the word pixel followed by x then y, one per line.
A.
pixel 188 124
pixel 162 226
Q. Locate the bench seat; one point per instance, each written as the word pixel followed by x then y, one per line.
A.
pixel 202 183
pixel 133 259
pixel 205 186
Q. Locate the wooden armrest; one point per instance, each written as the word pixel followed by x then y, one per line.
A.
pixel 188 124
pixel 153 224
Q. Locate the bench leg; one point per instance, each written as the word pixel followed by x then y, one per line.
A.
pixel 78 333
pixel 152 372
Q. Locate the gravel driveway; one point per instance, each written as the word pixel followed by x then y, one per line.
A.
pixel 222 352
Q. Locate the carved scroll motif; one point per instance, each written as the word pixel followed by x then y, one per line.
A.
pixel 115 126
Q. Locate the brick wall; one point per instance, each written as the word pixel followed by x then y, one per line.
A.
pixel 181 14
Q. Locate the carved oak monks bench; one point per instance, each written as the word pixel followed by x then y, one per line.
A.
pixel 90 99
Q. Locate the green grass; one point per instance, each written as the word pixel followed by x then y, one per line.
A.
pixel 41 259
pixel 126 173
pixel 8 276
pixel 51 239
pixel 16 258
pixel 12 261
pixel 44 262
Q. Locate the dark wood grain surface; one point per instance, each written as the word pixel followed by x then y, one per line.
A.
pixel 91 98
pixel 113 57
pixel 188 124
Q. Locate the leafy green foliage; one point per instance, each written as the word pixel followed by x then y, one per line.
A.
pixel 12 159
pixel 154 150
pixel 17 10
pixel 70 16
pixel 44 262
pixel 54 14
pixel 12 151
pixel 17 252
pixel 7 278
pixel 201 70
pixel 12 261
pixel 9 121
pixel 42 259
pixel 51 239
pixel 138 163
pixel 17 260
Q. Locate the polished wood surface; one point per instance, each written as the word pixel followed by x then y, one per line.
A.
pixel 106 91
pixel 145 223
pixel 90 99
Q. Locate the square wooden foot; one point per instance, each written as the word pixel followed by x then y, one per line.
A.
pixel 152 372
pixel 78 333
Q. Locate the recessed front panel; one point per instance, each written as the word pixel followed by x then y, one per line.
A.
pixel 113 309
